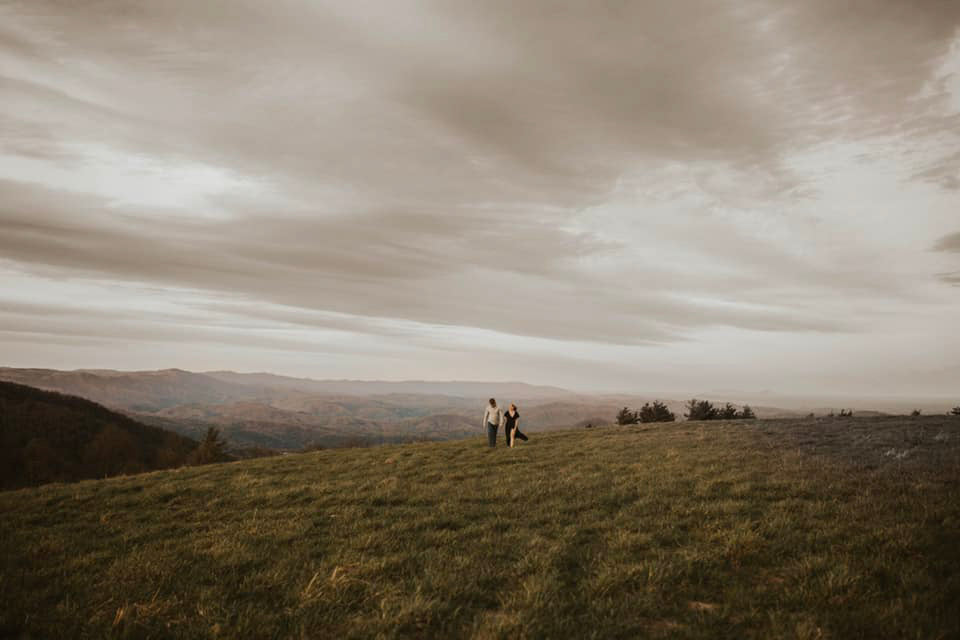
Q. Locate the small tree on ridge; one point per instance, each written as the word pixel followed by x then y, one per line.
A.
pixel 700 410
pixel 656 412
pixel 212 449
pixel 727 412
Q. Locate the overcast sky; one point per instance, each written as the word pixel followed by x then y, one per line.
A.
pixel 631 196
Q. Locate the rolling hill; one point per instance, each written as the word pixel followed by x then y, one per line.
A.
pixel 49 437
pixel 769 529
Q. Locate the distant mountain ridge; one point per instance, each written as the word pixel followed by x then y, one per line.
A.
pixel 157 390
pixel 456 388
pixel 133 390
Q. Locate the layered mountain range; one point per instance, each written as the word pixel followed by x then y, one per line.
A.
pixel 266 410
pixel 288 413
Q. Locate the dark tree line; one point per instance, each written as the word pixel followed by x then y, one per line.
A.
pixel 50 437
pixel 705 410
pixel 656 412
pixel 696 410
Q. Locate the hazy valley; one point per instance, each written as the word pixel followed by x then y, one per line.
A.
pixel 290 413
pixel 286 413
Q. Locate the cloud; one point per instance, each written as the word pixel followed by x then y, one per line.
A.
pixel 64 323
pixel 621 174
pixel 459 104
pixel 943 171
pixel 950 242
pixel 482 272
pixel 950 278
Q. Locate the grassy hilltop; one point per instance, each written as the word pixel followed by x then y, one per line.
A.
pixel 794 528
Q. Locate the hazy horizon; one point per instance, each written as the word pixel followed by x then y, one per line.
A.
pixel 700 195
pixel 759 397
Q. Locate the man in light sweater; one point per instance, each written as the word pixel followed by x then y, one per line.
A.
pixel 492 418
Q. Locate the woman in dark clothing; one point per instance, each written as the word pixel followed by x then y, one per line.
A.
pixel 511 425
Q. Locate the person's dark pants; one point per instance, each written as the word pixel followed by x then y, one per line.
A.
pixel 492 434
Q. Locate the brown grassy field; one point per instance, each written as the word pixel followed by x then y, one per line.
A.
pixel 793 528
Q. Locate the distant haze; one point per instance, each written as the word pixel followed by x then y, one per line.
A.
pixel 754 197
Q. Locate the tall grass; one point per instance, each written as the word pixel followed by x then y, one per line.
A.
pixel 798 529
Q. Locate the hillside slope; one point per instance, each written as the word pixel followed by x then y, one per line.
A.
pixel 800 529
pixel 47 437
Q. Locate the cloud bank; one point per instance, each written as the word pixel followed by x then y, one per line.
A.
pixel 421 182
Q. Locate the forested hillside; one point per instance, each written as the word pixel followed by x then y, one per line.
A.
pixel 50 437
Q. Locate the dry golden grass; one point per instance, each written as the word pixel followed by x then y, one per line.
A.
pixel 798 529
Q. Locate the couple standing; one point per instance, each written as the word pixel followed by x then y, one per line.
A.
pixel 510 419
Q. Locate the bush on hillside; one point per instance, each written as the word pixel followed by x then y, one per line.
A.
pixel 625 416
pixel 212 449
pixel 704 410
pixel 727 412
pixel 591 423
pixel 700 410
pixel 656 412
pixel 955 411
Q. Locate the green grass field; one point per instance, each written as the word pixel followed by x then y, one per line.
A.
pixel 795 529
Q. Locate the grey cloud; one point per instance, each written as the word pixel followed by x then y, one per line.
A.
pixel 950 278
pixel 945 171
pixel 309 318
pixel 29 309
pixel 545 107
pixel 82 325
pixel 618 79
pixel 459 151
pixel 379 266
pixel 950 242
